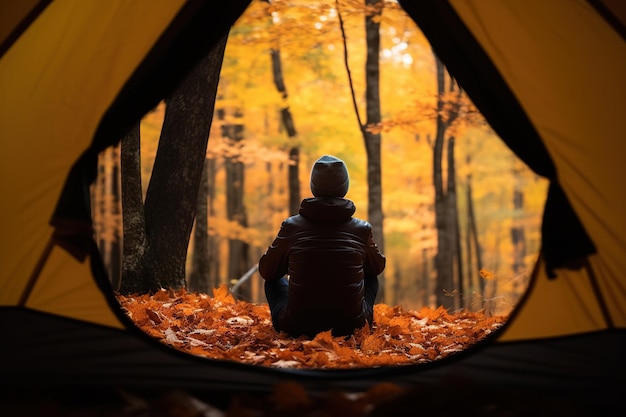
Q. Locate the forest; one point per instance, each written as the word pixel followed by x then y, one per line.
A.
pixel 198 189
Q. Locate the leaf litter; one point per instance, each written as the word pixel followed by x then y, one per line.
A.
pixel 222 328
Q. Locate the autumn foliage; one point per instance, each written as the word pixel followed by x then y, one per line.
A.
pixel 219 327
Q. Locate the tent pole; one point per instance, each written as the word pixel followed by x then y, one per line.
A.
pixel 598 293
pixel 36 271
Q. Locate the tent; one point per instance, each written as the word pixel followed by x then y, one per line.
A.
pixel 75 75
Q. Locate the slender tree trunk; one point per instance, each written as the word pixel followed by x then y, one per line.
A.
pixel 132 213
pixel 238 250
pixel 475 262
pixel 397 287
pixel 426 276
pixel 115 256
pixel 452 218
pixel 289 125
pixel 475 241
pixel 172 194
pixel 373 140
pixel 108 209
pixel 293 173
pixel 213 249
pixel 517 232
pixel 98 199
pixel 198 278
pixel 443 258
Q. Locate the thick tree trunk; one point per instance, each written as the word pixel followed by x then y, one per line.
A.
pixel 170 205
pixel 373 140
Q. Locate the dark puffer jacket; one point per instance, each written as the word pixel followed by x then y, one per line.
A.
pixel 328 256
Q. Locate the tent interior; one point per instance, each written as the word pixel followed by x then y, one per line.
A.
pixel 547 76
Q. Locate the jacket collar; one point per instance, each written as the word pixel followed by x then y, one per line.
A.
pixel 327 210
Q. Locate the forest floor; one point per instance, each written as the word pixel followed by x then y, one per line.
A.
pixel 219 327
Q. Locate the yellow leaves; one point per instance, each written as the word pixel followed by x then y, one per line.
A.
pixel 222 328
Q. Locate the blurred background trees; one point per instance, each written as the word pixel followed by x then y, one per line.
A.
pixel 461 214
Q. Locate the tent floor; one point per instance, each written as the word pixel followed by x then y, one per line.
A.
pixel 49 362
pixel 69 401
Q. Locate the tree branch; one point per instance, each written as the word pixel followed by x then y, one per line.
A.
pixel 345 60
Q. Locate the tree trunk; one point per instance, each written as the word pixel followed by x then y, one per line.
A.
pixel 373 140
pixel 517 232
pixel 115 254
pixel 238 250
pixel 443 258
pixel 198 278
pixel 426 276
pixel 213 249
pixel 289 125
pixel 132 213
pixel 170 205
pixel 452 219
pixel 475 262
pixel 110 212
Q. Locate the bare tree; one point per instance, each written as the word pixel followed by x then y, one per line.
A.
pixel 518 238
pixel 445 197
pixel 288 124
pixel 371 137
pixel 472 245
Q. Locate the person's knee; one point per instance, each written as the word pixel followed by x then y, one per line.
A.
pixel 276 288
pixel 277 294
pixel 371 290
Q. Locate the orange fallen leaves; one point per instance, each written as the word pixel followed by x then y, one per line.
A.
pixel 221 328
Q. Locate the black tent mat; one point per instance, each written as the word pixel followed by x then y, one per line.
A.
pixel 46 350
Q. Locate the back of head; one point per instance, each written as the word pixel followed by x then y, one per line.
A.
pixel 329 177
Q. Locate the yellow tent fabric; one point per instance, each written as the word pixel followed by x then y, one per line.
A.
pixel 74 72
pixel 578 113
pixel 57 81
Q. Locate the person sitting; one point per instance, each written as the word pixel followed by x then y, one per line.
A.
pixel 321 271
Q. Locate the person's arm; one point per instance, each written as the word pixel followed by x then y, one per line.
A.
pixel 374 260
pixel 274 262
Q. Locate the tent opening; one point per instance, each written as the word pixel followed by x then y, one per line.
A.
pixel 460 213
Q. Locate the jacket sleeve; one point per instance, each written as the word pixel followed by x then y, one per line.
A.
pixel 274 262
pixel 375 261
